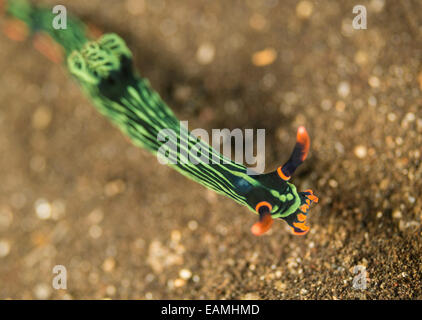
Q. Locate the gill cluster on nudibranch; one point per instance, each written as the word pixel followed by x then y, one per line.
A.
pixel 104 70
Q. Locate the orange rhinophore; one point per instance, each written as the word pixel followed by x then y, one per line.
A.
pixel 302 138
pixel 263 225
pixel 265 220
pixel 282 175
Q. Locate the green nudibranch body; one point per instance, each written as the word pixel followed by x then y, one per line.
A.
pixel 105 72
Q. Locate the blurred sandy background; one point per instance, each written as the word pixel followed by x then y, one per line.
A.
pixel 75 192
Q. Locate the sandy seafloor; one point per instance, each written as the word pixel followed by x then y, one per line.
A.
pixel 75 192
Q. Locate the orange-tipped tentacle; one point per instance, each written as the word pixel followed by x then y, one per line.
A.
pixel 281 174
pixel 265 220
pixel 303 139
pixel 299 154
pixel 263 205
pixel 263 225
